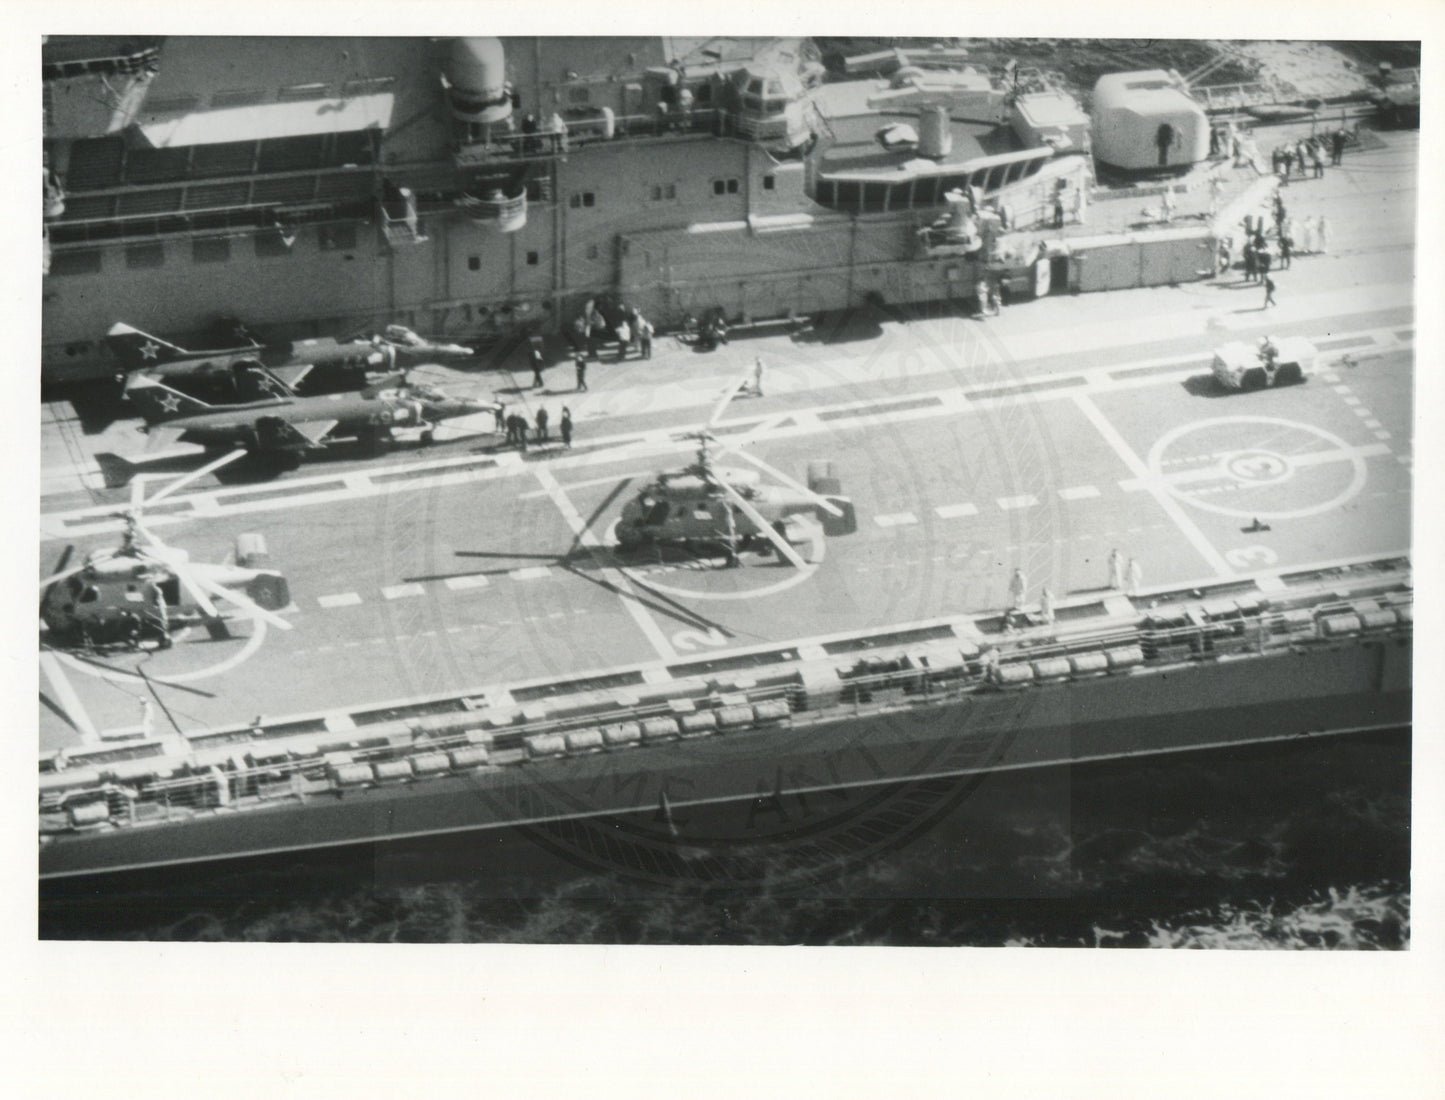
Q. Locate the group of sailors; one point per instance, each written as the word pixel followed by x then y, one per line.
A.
pixel 1125 575
pixel 634 332
pixel 1292 236
pixel 516 427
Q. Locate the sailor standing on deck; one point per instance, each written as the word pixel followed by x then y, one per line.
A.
pixel 1116 569
pixel 1046 606
pixel 757 382
pixel 1018 587
pixel 1136 577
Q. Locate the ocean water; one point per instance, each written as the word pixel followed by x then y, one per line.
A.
pixel 1300 846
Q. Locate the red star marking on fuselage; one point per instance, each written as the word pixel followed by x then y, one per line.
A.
pixel 170 402
pixel 149 350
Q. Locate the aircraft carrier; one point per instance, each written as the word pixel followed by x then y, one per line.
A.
pixel 470 652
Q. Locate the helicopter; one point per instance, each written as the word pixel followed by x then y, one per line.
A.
pixel 703 504
pixel 138 592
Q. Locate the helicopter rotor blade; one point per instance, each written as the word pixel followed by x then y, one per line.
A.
pixel 182 482
pixel 723 402
pixel 764 527
pixel 197 593
pixel 59 573
pixel 55 578
pixel 822 502
pixel 245 603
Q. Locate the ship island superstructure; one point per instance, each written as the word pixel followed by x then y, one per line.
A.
pixel 485 187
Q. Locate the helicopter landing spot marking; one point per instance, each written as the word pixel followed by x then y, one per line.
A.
pixel 1255 467
pixel 253 643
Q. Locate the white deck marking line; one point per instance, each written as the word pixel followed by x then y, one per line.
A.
pixel 1373 423
pixel 954 511
pixel 476 580
pixel 69 700
pixel 1025 500
pixel 340 599
pixel 1382 434
pixel 1172 508
pixel 627 593
pixel 896 519
pixel 1079 492
pixel 530 573
pixel 402 591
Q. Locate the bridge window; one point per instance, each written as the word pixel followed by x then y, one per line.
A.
pixel 664 191
pixel 270 243
pixel 533 259
pixel 769 182
pixel 336 238
pixel 728 186
pixel 474 263
pixel 583 198
pixel 210 250
pixel 148 255
pixel 85 261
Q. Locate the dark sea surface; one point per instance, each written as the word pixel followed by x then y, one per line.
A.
pixel 1303 845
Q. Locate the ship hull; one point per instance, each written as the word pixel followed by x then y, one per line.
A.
pixel 686 808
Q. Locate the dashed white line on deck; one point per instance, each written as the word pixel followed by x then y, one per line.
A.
pixel 339 599
pixel 896 519
pixel 1079 492
pixel 475 580
pixel 403 591
pixel 955 511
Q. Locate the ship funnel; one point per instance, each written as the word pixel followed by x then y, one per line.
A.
pixel 935 137
pixel 474 73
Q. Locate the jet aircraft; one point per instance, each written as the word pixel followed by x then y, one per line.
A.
pixel 285 426
pixel 289 362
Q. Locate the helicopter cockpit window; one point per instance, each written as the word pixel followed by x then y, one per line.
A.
pixel 657 513
pixel 90 595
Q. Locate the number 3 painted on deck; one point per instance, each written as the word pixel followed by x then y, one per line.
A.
pixel 1251 557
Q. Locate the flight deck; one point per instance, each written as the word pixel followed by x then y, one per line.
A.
pixel 442 570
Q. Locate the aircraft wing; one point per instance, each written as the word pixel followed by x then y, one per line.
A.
pixel 304 434
pixel 291 376
pixel 161 438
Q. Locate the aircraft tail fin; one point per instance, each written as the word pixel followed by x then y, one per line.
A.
pixel 136 350
pixel 157 402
